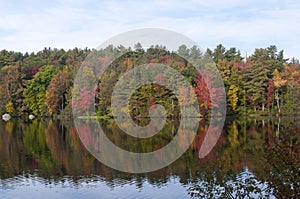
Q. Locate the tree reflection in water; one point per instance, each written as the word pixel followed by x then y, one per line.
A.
pixel 279 160
pixel 249 160
pixel 284 162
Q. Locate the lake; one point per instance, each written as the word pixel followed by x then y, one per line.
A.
pixel 253 158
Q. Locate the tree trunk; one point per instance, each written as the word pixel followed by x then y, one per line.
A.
pixel 277 100
pixel 62 104
pixel 278 127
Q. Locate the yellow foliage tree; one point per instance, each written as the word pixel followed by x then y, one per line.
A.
pixel 278 82
pixel 233 97
pixel 9 107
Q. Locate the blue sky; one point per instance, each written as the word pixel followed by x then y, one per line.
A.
pixel 31 25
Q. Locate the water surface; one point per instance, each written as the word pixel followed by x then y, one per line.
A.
pixel 254 158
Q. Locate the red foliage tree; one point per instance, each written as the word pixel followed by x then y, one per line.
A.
pixel 270 93
pixel 84 99
pixel 33 70
pixel 206 90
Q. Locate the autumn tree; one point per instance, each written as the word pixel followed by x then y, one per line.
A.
pixel 35 92
pixel 3 99
pixel 84 90
pixel 57 90
pixel 233 97
pixel 290 93
pixel 232 78
pixel 270 95
pixel 14 83
pixel 278 83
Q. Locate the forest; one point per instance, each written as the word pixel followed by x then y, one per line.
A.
pixel 42 83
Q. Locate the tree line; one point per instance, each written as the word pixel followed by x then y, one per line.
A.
pixel 42 83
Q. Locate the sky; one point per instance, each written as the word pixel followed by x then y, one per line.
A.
pixel 31 25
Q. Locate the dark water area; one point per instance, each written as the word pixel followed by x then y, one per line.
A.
pixel 253 158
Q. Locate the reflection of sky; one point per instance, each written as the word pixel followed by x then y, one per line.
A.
pixel 36 188
pixel 33 24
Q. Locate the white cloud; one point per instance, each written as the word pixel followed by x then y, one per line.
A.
pixel 242 24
